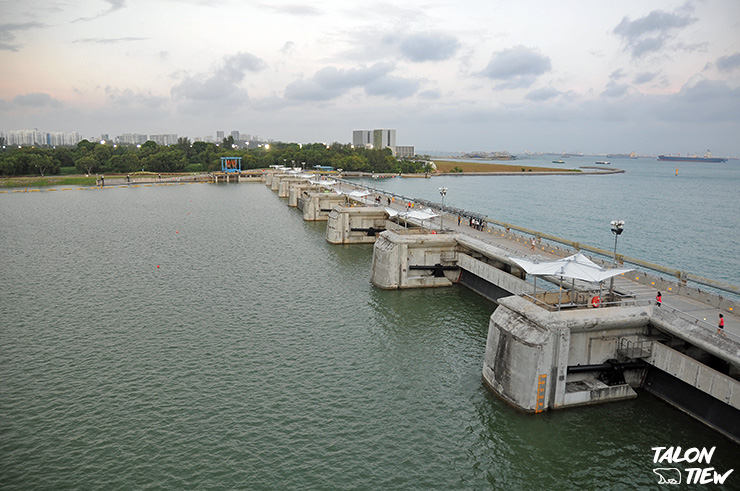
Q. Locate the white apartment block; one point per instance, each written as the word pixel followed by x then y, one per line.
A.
pixel 378 139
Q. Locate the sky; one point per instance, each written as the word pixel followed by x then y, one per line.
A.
pixel 590 76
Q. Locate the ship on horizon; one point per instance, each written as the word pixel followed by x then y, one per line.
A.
pixel 695 158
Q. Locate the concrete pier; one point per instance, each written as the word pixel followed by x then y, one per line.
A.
pixel 355 224
pixel 317 206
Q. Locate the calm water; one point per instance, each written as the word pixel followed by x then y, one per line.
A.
pixel 205 336
pixel 688 222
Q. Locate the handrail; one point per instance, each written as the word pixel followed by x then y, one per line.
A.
pixel 699 322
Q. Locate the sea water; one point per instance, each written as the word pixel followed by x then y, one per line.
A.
pixel 205 336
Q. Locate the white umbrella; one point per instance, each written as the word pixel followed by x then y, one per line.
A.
pixel 577 267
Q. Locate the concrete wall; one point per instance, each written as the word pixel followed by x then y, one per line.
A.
pixel 527 344
pixel 285 185
pixel 342 219
pixel 494 275
pixel 296 192
pixel 696 374
pixel 316 206
pixel 395 251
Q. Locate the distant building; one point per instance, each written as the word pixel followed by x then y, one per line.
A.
pixel 219 136
pixel 235 135
pixel 405 151
pixel 167 139
pixel 378 139
pixel 362 138
pixel 385 139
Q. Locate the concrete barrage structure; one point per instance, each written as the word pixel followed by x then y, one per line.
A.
pixel 540 356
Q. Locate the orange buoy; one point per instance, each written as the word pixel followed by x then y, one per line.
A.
pixel 595 302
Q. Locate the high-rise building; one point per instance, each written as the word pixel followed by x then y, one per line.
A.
pixel 235 135
pixel 362 138
pixel 378 139
pixel 219 136
pixel 385 139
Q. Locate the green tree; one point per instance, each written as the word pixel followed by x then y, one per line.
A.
pixel 42 164
pixel 169 160
pixel 228 142
pixel 87 164
pixel 128 162
pixel 184 145
pixel 85 146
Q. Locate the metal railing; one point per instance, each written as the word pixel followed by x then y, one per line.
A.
pixel 698 322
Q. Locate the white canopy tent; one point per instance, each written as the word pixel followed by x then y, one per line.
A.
pixel 576 267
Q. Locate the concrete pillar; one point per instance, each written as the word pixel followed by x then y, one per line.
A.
pixel 367 222
pixel 316 206
pixel 395 252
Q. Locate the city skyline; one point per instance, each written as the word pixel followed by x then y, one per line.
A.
pixel 662 77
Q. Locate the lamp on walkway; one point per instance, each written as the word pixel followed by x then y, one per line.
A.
pixel 617 229
pixel 443 193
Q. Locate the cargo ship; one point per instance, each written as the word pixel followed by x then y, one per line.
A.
pixel 706 158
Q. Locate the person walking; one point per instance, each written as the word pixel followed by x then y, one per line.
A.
pixel 533 242
pixel 658 299
pixel 721 325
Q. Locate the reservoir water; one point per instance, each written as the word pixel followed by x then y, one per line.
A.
pixel 205 336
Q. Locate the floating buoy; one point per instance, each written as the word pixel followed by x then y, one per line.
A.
pixel 595 302
pixel 157 266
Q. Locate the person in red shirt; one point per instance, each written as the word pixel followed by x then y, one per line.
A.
pixel 658 299
pixel 721 325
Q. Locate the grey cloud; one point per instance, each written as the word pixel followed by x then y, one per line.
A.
pixel 114 6
pixel 428 47
pixel 728 63
pixel 221 84
pixel 705 100
pixel 394 87
pixel 7 34
pixel 36 99
pixel 615 90
pixel 288 47
pixel 647 45
pixel 543 94
pixel 235 66
pixel 517 67
pixel 645 77
pixel 617 74
pixel 330 82
pixel 431 94
pixel 129 99
pixel 650 33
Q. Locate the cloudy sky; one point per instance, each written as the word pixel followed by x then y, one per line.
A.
pixel 568 75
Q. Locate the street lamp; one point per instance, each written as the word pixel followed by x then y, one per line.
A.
pixel 443 193
pixel 617 229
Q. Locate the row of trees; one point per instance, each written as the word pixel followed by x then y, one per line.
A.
pixel 186 156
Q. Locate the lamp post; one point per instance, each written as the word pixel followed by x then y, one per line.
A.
pixel 617 229
pixel 443 193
